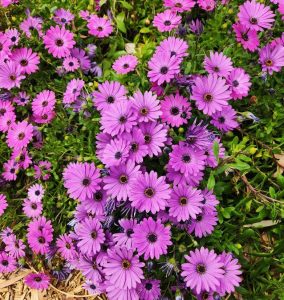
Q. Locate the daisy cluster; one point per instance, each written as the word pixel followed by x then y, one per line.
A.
pixel 150 185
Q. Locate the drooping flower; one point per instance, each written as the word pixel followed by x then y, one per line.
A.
pixel 149 192
pixel 109 93
pixel 99 27
pixel 59 41
pixel 239 82
pixel 81 180
pixel 118 183
pixel 256 16
pixel 166 21
pixel 10 75
pixel 125 64
pixel 210 93
pixel 231 278
pixel 218 63
pixel 151 238
pixel 175 110
pixel 185 202
pixel 225 120
pixel 203 270
pixel 123 269
pixel 272 59
pixel 246 36
pixel 163 67
pixel 3 203
pixel 90 236
pixel 146 105
pixel 38 281
pixel 19 135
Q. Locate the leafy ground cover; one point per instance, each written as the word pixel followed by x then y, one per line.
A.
pixel 194 159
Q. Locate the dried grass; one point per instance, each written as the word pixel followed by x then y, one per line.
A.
pixel 13 288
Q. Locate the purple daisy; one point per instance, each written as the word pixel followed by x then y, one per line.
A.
pixel 38 281
pixel 119 118
pixel 226 119
pixel 167 20
pixel 26 59
pixel 179 6
pixel 96 204
pixel 90 236
pixel 118 183
pixel 116 152
pixel 36 192
pixel 198 136
pixel 125 64
pixel 114 293
pixel 84 61
pixel 174 46
pixel 10 75
pixel 239 83
pixel 175 110
pixel 7 263
pixel 109 93
pixel 66 247
pixel 149 192
pixel 63 16
pixel 3 203
pixel 124 238
pixel 163 67
pixel 185 202
pixel 149 289
pixel 146 105
pixel 81 180
pixel 210 93
pixel 99 27
pixel 19 135
pixel 15 248
pixel 203 270
pixel 123 269
pixel 32 208
pixel 218 63
pixel 187 160
pixel 90 268
pixel 151 238
pixel 155 136
pixel 271 58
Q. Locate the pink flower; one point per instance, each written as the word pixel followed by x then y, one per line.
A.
pixel 179 5
pixel 26 59
pixel 99 27
pixel 166 21
pixel 239 83
pixel 218 63
pixel 10 75
pixel 272 58
pixel 71 64
pixel 19 135
pixel 58 41
pixel 125 64
pixel 246 36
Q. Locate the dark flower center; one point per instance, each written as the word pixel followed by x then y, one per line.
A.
pixel 34 206
pixel 129 232
pixel 174 111
pixel 63 20
pixel 173 53
pixel 167 23
pixel 126 264
pixel 186 158
pixel 235 83
pixel 93 287
pixel 178 5
pixel 21 136
pixel 183 115
pixel 245 37
pixel 148 286
pixel 123 179
pixel 24 62
pixel 37 279
pixel 152 237
pixel 94 234
pixel 144 111
pixel 99 28
pixel 86 181
pixel 122 119
pixel 269 63
pixel 118 155
pixel 44 103
pixel 183 200
pixel 253 21
pixel 41 240
pixel 68 246
pixel 205 296
pixel 208 97
pixel 71 64
pixel 134 147
pixel 147 138
pixel 12 171
pixel 125 66
pixel 221 120
pixel 5 263
pixel 199 218
pixel 59 43
pixel 13 77
pixel 216 69
pixel 98 196
pixel 110 99
pixel 23 100
pixel 149 192
pixel 164 70
pixel 45 117
pixel 200 268
pixel 2 111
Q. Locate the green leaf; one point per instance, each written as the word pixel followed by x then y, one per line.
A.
pixel 211 181
pixel 126 5
pixel 120 22
pixel 145 30
pixel 216 150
